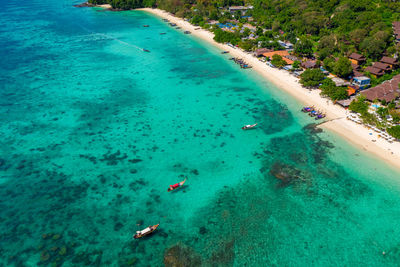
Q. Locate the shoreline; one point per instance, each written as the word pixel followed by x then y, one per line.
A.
pixel 336 120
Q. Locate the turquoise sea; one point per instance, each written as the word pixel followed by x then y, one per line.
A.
pixel 93 130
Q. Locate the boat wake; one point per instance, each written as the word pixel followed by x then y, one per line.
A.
pixel 110 37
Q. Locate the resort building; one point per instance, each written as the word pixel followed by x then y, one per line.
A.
pixel 283 53
pixel 250 27
pixel 243 9
pixel 357 58
pixel 392 62
pixel 396 30
pixel 382 66
pixel 260 51
pixel 339 81
pixel 356 70
pixel 346 102
pixel 387 91
pixel 352 89
pixel 309 64
pixel 286 45
pixel 362 82
pixel 375 71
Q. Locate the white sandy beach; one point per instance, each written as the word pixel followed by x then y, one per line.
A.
pixel 353 132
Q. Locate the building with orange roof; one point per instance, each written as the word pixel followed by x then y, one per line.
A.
pixel 282 53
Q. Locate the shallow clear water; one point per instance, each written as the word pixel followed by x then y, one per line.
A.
pixel 93 130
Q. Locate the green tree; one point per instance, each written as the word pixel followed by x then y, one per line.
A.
pixel 373 47
pixel 357 36
pixel 304 47
pixel 327 43
pixel 278 61
pixel 246 45
pixel 296 65
pixel 311 77
pixel 328 88
pixel 329 63
pixel 197 19
pixel 394 131
pixel 343 67
pixel 382 112
pixel 359 105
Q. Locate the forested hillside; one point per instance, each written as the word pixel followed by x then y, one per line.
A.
pixel 339 26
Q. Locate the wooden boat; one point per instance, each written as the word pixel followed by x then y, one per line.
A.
pixel 162 33
pixel 224 52
pixel 146 26
pixel 186 32
pixel 178 27
pixel 176 186
pixel 250 126
pixel 146 231
pixel 145 50
pixel 320 116
pixel 307 109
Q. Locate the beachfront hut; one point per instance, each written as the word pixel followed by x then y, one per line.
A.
pixel 357 58
pixel 375 71
pixel 362 82
pixel 346 102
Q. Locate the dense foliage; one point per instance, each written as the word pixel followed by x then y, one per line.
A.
pixel 394 131
pixel 359 105
pixel 328 88
pixel 343 67
pixel 312 78
pixel 326 28
pixel 278 61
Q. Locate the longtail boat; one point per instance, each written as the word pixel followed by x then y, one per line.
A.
pixel 250 126
pixel 224 52
pixel 176 186
pixel 320 116
pixel 307 109
pixel 146 26
pixel 145 50
pixel 146 231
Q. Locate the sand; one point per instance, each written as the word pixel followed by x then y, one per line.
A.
pixel 105 6
pixel 357 134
